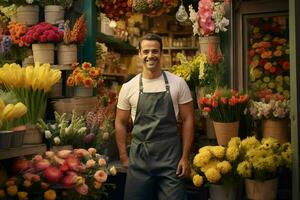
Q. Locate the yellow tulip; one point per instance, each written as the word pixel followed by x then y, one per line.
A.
pixel 2 105
pixel 7 111
pixel 19 110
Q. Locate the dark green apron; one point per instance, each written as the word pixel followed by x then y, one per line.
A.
pixel 155 149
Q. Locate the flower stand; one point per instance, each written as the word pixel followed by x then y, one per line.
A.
pixel 220 192
pixel 67 54
pixel 261 190
pixel 205 42
pixel 225 131
pixel 28 15
pixel 54 14
pixel 277 129
pixel 81 91
pixel 43 53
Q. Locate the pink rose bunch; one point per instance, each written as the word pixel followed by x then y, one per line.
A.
pixel 43 33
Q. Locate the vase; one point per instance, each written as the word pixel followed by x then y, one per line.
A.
pixel 277 129
pixel 67 54
pixel 43 53
pixel 220 192
pixel 209 41
pixel 225 131
pixel 54 14
pixel 28 15
pixel 81 91
pixel 261 190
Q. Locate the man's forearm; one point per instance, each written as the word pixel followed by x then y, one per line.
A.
pixel 121 133
pixel 187 136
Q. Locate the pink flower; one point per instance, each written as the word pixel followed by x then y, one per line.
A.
pixel 83 189
pixel 102 162
pixel 100 176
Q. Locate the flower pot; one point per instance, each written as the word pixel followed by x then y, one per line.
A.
pixel 54 14
pixel 261 190
pixel 28 15
pixel 206 42
pixel 43 53
pixel 32 135
pixel 5 139
pixel 225 131
pixel 17 138
pixel 67 54
pixel 277 129
pixel 220 192
pixel 81 91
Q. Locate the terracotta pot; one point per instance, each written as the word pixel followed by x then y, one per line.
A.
pixel 277 129
pixel 261 190
pixel 225 131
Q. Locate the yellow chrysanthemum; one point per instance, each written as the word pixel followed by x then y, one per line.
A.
pixel 213 175
pixel 270 142
pixel 218 151
pixel 197 180
pixel 224 167
pixel 232 153
pixel 249 143
pixel 202 157
pixel 234 141
pixel 244 169
pixel 211 164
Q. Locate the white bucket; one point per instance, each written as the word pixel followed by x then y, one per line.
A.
pixel 54 14
pixel 81 91
pixel 43 53
pixel 28 15
pixel 67 54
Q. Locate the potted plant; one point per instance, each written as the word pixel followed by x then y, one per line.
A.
pixel 84 78
pixel 153 8
pixel 67 51
pixel 261 163
pixel 225 107
pixel 67 174
pixel 273 110
pixel 215 166
pixel 43 36
pixel 208 22
pixel 54 10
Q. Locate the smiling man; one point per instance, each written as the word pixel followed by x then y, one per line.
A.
pixel 158 157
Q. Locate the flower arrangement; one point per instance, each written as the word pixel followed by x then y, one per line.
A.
pixel 8 11
pixel 76 174
pixel 268 54
pixel 43 33
pixel 153 8
pixel 19 2
pixel 84 75
pixel 31 86
pixel 210 18
pixel 77 34
pixel 263 160
pixel 224 105
pixel 115 10
pixel 269 106
pixel 215 165
pixel 17 31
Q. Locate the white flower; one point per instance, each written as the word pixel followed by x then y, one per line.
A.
pixel 29 1
pixel 56 140
pixel 48 134
pixel 82 130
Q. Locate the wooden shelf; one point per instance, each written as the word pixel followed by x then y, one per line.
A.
pixel 22 151
pixel 180 48
pixel 62 67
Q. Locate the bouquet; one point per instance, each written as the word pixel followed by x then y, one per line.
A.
pixel 84 75
pixel 17 31
pixel 263 160
pixel 224 105
pixel 77 174
pixel 210 18
pixel 269 106
pixel 215 165
pixel 43 33
pixel 8 12
pixel 77 34
pixel 31 85
pixel 115 10
pixel 153 8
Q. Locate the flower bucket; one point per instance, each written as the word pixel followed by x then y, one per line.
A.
pixel 43 53
pixel 261 190
pixel 225 131
pixel 5 139
pixel 54 14
pixel 17 138
pixel 220 192
pixel 56 90
pixel 28 15
pixel 204 43
pixel 81 91
pixel 67 54
pixel 277 129
pixel 32 135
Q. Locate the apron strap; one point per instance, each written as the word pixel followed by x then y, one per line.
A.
pixel 166 83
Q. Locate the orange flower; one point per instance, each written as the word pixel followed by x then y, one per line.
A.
pixel 94 73
pixel 267 66
pixel 74 65
pixel 78 79
pixel 70 81
pixel 266 54
pixel 88 82
pixel 86 65
pixel 277 53
pixel 100 176
pixel 76 71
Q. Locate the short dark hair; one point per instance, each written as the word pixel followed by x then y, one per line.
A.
pixel 151 36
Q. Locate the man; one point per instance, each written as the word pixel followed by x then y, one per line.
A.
pixel 158 157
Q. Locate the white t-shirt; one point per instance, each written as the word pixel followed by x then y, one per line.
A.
pixel 129 93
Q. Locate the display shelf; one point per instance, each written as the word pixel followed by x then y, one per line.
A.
pixel 22 151
pixel 116 44
pixel 62 67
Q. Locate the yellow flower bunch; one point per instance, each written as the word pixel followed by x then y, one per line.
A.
pixel 210 164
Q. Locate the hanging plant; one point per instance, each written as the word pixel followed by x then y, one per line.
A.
pixel 153 7
pixel 115 9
